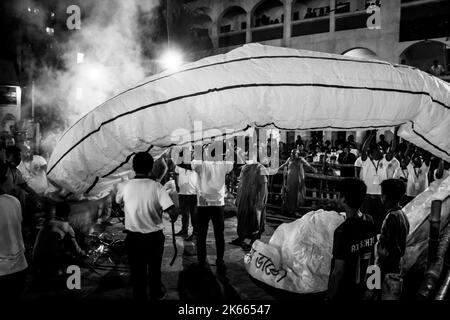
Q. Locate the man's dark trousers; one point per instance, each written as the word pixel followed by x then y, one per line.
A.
pixel 188 207
pixel 216 215
pixel 145 251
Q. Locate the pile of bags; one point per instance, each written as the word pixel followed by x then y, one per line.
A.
pixel 298 256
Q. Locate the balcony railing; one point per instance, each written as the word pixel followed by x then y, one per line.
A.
pixel 406 3
pixel 425 21
pixel 351 20
pixel 265 33
pixel 311 26
pixel 420 19
pixel 232 39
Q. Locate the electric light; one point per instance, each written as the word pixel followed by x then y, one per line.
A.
pixel 171 60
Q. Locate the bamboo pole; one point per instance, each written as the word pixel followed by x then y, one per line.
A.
pixel 434 272
pixel 443 290
pixel 435 228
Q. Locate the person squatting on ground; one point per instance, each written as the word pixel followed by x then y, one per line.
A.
pixel 55 247
pixel 13 264
pixel 144 202
pixel 353 245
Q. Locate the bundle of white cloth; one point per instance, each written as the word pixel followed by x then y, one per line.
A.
pixel 34 173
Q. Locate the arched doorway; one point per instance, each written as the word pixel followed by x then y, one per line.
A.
pixel 422 55
pixel 201 29
pixel 267 19
pixel 232 27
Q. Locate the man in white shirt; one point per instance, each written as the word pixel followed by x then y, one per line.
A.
pixel 210 202
pixel 372 168
pixel 12 250
pixel 186 183
pixel 392 167
pixel 144 202
pixel 402 172
pixel 417 176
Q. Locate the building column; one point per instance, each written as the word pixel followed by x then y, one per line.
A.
pixel 248 30
pixel 332 16
pixel 287 23
pixel 214 34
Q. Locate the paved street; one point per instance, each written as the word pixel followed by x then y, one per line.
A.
pixel 109 277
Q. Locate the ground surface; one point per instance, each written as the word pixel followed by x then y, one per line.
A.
pixel 107 275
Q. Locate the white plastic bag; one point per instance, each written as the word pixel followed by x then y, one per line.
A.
pixel 298 256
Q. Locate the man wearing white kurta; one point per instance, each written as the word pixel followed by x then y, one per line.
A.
pixel 416 176
pixel 372 168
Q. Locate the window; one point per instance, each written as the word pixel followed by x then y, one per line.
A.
pixel 224 29
pixel 8 96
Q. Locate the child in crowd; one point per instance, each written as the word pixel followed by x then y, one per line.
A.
pixel 353 245
pixel 391 245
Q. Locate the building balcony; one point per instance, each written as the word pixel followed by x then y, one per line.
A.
pixel 351 20
pixel 425 20
pixel 269 32
pixel 406 3
pixel 311 26
pixel 232 38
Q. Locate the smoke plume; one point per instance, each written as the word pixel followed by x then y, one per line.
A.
pixel 96 62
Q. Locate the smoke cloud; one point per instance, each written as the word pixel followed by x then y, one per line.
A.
pixel 96 62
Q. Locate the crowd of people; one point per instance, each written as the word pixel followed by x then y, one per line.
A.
pixel 33 230
pixel 387 176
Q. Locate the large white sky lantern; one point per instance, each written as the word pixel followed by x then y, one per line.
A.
pixel 258 86
pixel 171 60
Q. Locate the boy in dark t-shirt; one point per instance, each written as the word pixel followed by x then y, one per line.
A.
pixel 392 243
pixel 353 245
